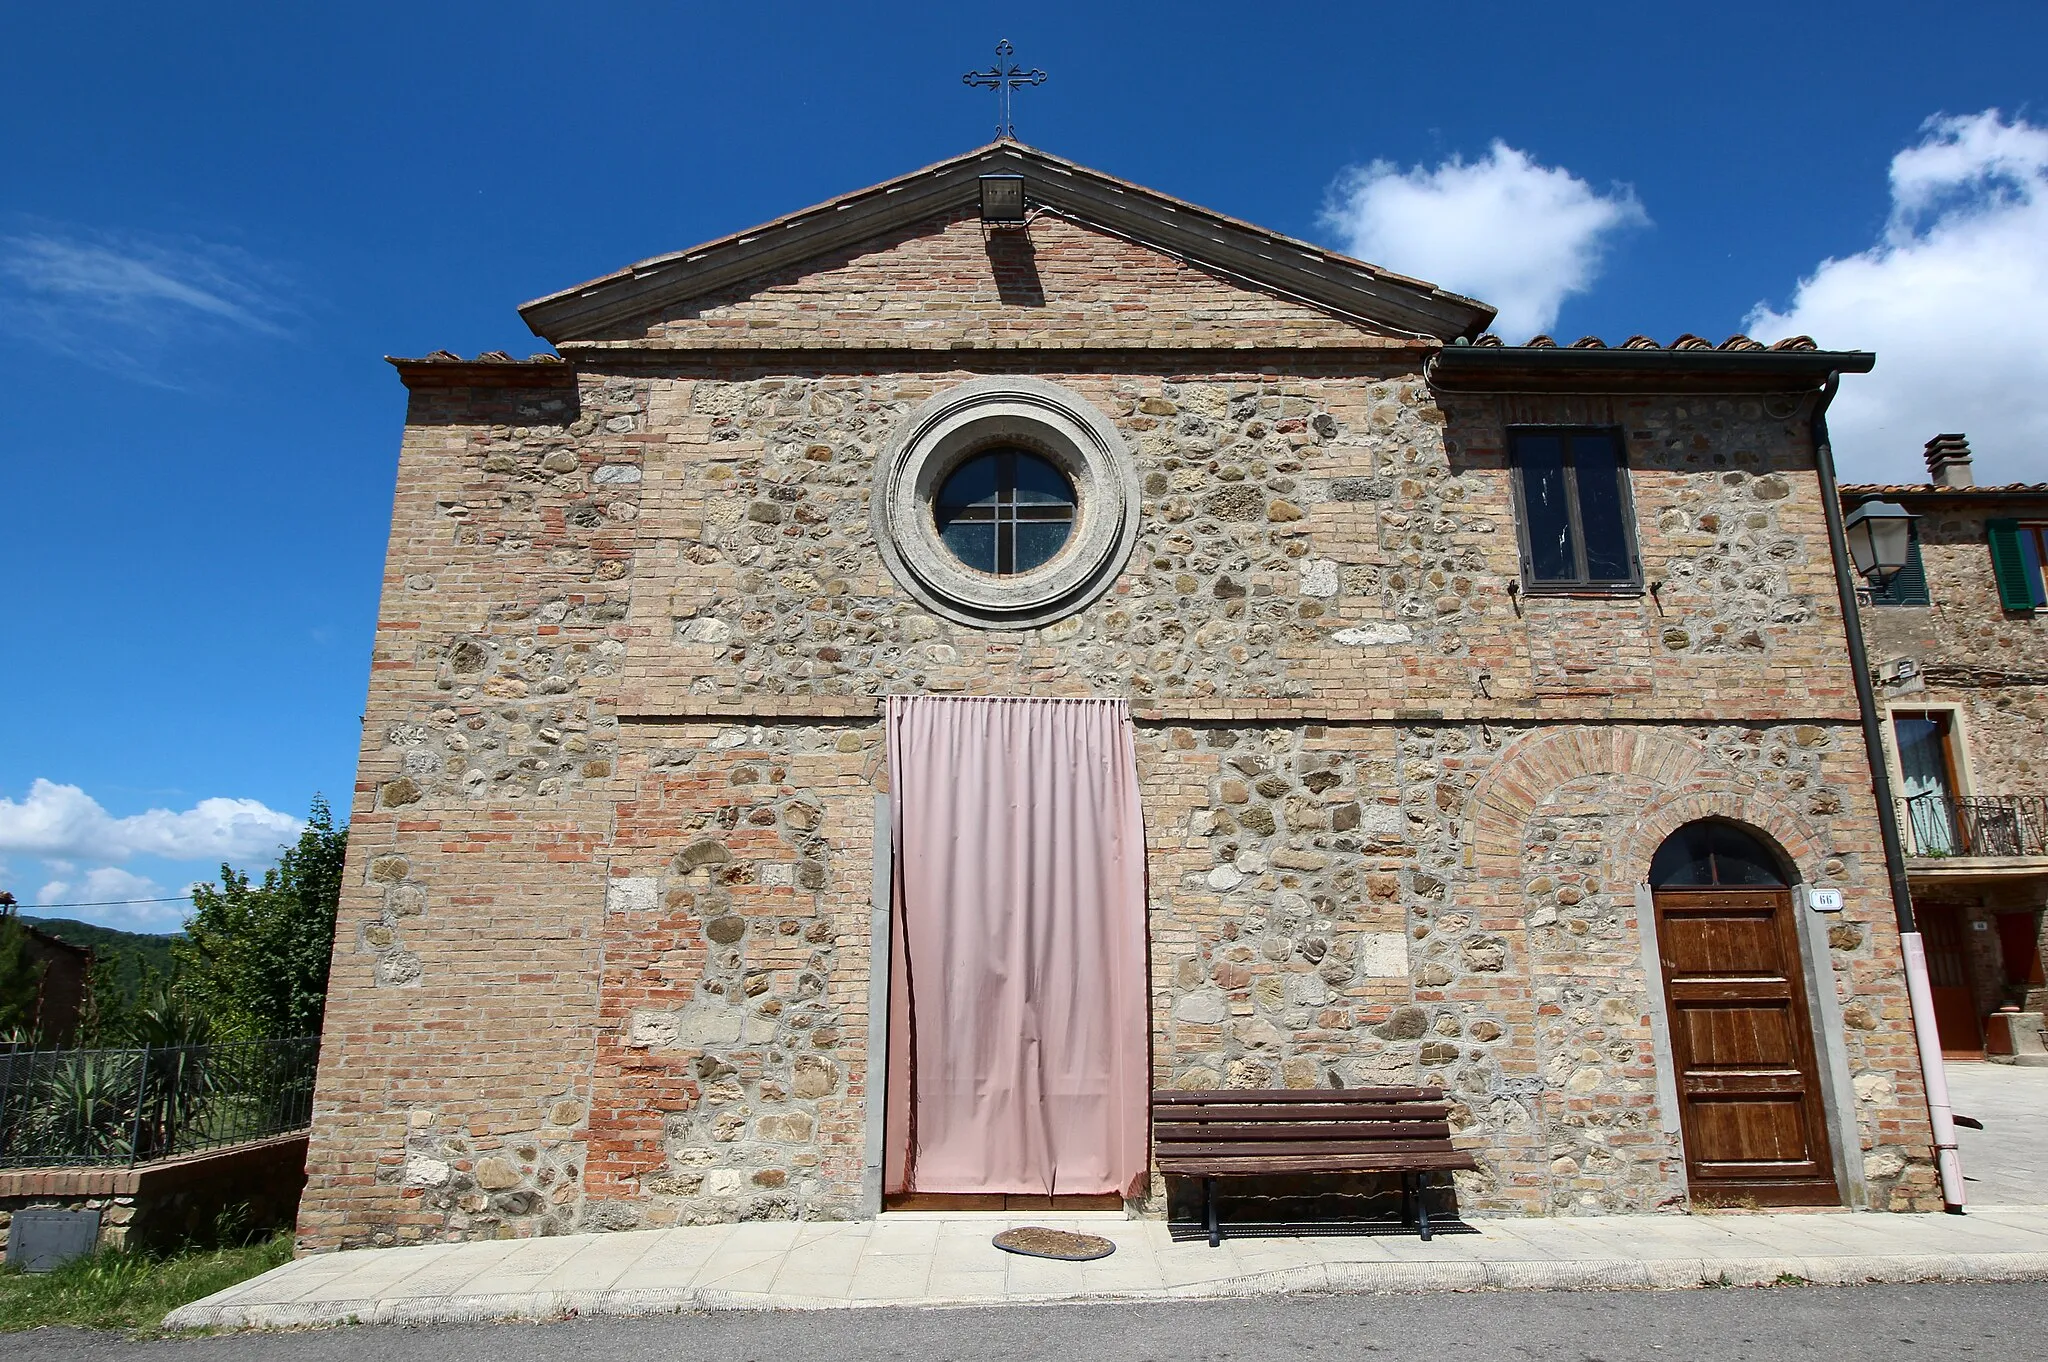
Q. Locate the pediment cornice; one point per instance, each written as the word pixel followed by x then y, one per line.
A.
pixel 1345 288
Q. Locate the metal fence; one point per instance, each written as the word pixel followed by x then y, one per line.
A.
pixel 1983 825
pixel 64 1108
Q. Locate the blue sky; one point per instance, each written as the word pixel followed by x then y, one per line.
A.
pixel 214 221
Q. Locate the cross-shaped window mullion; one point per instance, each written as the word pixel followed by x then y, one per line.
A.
pixel 1016 503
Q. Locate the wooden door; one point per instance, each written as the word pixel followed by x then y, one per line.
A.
pixel 1956 1018
pixel 1748 1088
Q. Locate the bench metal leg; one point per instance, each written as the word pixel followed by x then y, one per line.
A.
pixel 1422 1205
pixel 1209 1211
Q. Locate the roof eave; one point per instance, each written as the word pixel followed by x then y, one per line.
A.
pixel 448 371
pixel 1470 368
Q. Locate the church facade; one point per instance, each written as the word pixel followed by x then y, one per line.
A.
pixel 1485 710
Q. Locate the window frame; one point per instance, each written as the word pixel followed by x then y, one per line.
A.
pixel 1632 585
pixel 1097 459
pixel 2026 544
pixel 1945 719
pixel 2037 531
pixel 1960 781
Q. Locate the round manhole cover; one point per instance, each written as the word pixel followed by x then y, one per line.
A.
pixel 1039 1242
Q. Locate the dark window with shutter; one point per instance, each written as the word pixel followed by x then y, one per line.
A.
pixel 2016 562
pixel 1909 585
pixel 1577 521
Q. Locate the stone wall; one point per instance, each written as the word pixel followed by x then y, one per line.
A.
pixel 1989 666
pixel 1989 662
pixel 1383 904
pixel 1313 541
pixel 730 1061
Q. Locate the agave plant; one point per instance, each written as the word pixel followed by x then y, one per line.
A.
pixel 81 1108
pixel 179 1075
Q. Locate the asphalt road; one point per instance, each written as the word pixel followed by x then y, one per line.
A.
pixel 1800 1323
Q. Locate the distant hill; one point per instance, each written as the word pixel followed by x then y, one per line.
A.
pixel 137 952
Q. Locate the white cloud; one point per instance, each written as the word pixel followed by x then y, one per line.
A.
pixel 129 302
pixel 1519 235
pixel 104 279
pixel 1953 297
pixel 64 821
pixel 105 885
pixel 113 887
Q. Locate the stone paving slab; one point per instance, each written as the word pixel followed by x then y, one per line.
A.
pixel 2006 1163
pixel 946 1261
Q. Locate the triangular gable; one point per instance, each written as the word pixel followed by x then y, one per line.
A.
pixel 1163 241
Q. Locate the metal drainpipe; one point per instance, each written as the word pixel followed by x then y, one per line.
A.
pixel 1933 1076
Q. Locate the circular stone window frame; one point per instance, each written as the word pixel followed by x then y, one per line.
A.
pixel 972 418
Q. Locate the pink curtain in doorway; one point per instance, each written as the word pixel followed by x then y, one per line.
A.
pixel 1017 1036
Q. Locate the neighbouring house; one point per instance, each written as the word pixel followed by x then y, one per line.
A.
pixel 1959 644
pixel 63 976
pixel 901 682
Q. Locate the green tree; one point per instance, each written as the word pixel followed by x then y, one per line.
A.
pixel 254 957
pixel 21 977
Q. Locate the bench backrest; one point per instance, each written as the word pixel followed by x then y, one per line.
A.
pixel 1294 1123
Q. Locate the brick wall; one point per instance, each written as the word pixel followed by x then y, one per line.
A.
pixel 948 283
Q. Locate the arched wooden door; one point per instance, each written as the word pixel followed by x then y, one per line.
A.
pixel 1741 1038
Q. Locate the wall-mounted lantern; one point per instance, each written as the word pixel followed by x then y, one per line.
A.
pixel 1002 200
pixel 1880 538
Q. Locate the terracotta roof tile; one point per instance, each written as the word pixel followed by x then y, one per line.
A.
pixel 1688 341
pixel 1928 489
pixel 487 357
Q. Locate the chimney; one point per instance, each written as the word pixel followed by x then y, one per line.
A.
pixel 1948 461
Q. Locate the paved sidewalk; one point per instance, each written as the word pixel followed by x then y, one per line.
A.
pixel 2006 1163
pixel 947 1260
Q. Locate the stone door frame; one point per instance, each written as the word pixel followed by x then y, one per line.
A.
pixel 876 1068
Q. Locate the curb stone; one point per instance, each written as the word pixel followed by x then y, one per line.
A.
pixel 1360 1278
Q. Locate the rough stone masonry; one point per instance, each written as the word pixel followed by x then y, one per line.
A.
pixel 603 959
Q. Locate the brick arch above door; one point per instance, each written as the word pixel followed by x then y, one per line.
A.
pixel 1768 819
pixel 1693 785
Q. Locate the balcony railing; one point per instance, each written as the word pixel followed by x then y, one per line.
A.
pixel 1982 825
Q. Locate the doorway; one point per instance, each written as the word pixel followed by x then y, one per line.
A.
pixel 1018 1024
pixel 1749 1094
pixel 2019 951
pixel 1956 1017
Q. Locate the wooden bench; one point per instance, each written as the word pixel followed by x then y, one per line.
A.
pixel 1269 1131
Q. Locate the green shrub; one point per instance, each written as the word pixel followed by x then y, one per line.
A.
pixel 125 1289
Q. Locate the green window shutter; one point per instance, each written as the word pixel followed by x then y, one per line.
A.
pixel 1909 587
pixel 2016 565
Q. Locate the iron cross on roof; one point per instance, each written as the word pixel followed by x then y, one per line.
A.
pixel 1004 77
